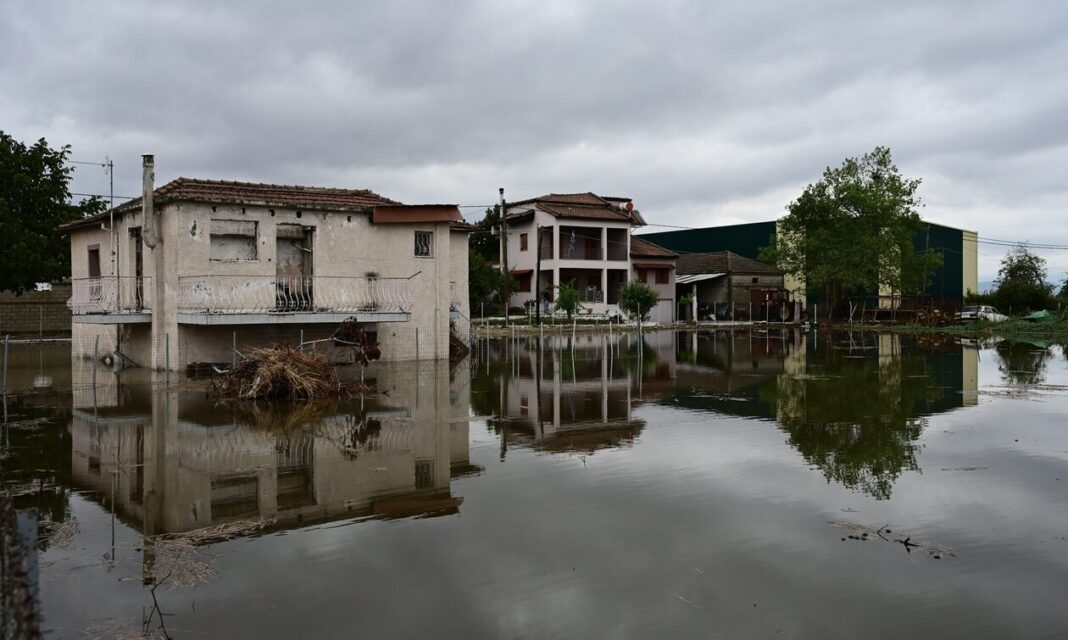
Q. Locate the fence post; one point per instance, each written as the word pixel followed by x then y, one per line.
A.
pixel 96 346
pixel 417 343
pixel 7 341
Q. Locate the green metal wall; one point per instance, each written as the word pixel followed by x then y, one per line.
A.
pixel 748 239
pixel 743 239
pixel 948 281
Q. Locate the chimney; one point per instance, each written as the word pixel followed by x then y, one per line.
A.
pixel 148 211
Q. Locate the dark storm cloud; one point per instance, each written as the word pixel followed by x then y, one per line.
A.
pixel 703 112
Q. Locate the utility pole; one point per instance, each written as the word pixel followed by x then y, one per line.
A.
pixel 504 254
pixel 109 168
pixel 537 274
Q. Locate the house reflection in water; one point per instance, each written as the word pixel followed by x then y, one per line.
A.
pixel 852 404
pixel 184 462
pixel 559 399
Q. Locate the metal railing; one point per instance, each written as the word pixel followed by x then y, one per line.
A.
pixel 263 294
pixel 110 294
pixel 591 295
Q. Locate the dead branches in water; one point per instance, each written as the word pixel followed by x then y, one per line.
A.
pixel 284 372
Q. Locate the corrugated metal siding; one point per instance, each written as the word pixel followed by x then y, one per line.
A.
pixel 744 239
pixel 948 281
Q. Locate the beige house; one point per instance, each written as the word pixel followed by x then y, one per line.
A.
pixel 584 240
pixel 219 266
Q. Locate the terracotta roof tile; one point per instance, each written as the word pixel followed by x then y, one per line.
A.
pixel 641 248
pixel 252 193
pixel 721 262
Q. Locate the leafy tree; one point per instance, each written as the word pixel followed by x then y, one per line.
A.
pixel 852 231
pixel 485 283
pixel 1021 282
pixel 34 201
pixel 484 241
pixel 637 296
pixel 567 299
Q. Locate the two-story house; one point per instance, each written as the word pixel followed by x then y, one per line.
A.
pixel 584 240
pixel 203 269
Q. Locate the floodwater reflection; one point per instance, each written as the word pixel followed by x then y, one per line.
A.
pixel 688 484
pixel 176 460
pixel 552 397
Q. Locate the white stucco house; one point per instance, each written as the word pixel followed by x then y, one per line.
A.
pixel 585 240
pixel 196 268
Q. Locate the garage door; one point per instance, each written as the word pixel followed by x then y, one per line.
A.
pixel 663 312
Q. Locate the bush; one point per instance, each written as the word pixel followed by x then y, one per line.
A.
pixel 637 296
pixel 567 299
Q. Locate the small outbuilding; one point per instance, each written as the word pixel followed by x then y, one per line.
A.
pixel 728 286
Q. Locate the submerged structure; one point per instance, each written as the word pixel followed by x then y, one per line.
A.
pixel 196 270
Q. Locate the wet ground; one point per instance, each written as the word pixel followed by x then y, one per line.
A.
pixel 745 484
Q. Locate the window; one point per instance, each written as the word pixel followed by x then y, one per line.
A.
pixel 522 242
pixel 756 280
pixel 524 282
pixel 661 276
pixel 233 240
pixel 94 261
pixel 424 243
pixel 642 276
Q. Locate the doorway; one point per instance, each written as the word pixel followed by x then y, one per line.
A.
pixel 293 271
pixel 137 250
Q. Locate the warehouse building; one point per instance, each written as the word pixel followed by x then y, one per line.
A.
pixel 958 275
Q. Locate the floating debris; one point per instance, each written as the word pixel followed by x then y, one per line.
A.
pixel 284 372
pixel 863 533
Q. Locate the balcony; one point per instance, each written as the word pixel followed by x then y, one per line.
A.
pixel 221 300
pixel 111 300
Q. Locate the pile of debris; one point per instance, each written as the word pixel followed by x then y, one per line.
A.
pixel 281 371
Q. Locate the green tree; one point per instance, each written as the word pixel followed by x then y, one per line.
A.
pixel 567 299
pixel 637 297
pixel 484 240
pixel 485 282
pixel 34 201
pixel 853 231
pixel 1021 284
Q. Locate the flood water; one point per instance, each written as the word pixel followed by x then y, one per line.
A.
pixel 748 484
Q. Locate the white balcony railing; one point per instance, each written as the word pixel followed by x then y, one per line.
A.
pixel 321 294
pixel 110 294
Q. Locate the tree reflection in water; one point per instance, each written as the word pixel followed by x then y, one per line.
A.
pixel 1022 362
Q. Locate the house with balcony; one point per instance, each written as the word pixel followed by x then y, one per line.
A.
pixel 197 270
pixel 584 240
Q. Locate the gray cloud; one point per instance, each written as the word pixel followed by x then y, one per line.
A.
pixel 703 112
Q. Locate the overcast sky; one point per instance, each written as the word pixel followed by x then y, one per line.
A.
pixel 703 112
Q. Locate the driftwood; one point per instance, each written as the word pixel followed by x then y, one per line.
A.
pixel 284 372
